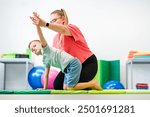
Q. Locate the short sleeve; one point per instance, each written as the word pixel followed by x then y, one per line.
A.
pixel 55 40
pixel 46 60
pixel 76 33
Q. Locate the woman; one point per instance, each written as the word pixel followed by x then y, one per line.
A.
pixel 70 39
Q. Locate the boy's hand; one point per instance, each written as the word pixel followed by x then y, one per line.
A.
pixel 37 20
pixel 39 89
pixel 1 55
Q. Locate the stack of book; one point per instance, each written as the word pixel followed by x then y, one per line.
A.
pixel 136 54
pixel 141 86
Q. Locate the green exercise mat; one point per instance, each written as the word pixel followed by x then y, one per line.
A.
pixel 109 70
pixel 104 71
pixel 113 91
pixel 32 91
pixel 115 70
pixel 48 92
pixel 138 91
pixel 6 91
pixel 69 91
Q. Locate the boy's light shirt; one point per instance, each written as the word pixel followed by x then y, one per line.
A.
pixel 55 57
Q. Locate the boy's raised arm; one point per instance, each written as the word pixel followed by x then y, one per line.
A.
pixel 40 33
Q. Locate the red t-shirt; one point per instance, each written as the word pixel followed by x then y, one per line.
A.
pixel 75 45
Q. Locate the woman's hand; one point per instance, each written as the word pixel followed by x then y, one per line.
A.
pixel 37 20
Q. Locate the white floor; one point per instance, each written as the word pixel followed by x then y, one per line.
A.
pixel 75 97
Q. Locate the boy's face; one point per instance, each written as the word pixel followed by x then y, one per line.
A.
pixel 35 47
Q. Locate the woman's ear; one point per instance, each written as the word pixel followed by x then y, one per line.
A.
pixel 63 19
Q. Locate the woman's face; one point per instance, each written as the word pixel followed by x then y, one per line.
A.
pixel 56 19
pixel 35 47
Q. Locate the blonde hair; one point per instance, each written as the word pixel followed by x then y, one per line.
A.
pixel 31 42
pixel 62 13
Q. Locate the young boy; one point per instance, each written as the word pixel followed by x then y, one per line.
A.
pixel 69 65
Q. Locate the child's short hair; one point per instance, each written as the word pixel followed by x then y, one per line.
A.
pixel 31 42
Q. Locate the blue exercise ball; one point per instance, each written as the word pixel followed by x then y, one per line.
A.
pixel 113 84
pixel 34 77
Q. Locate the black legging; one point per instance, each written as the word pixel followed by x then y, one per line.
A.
pixel 89 70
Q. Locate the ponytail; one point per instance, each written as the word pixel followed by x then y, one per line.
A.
pixel 65 16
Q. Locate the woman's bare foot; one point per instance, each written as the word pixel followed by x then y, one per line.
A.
pixel 95 85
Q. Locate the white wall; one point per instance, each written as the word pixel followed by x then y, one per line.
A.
pixel 112 27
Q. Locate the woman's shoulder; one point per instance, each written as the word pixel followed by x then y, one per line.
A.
pixel 73 27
